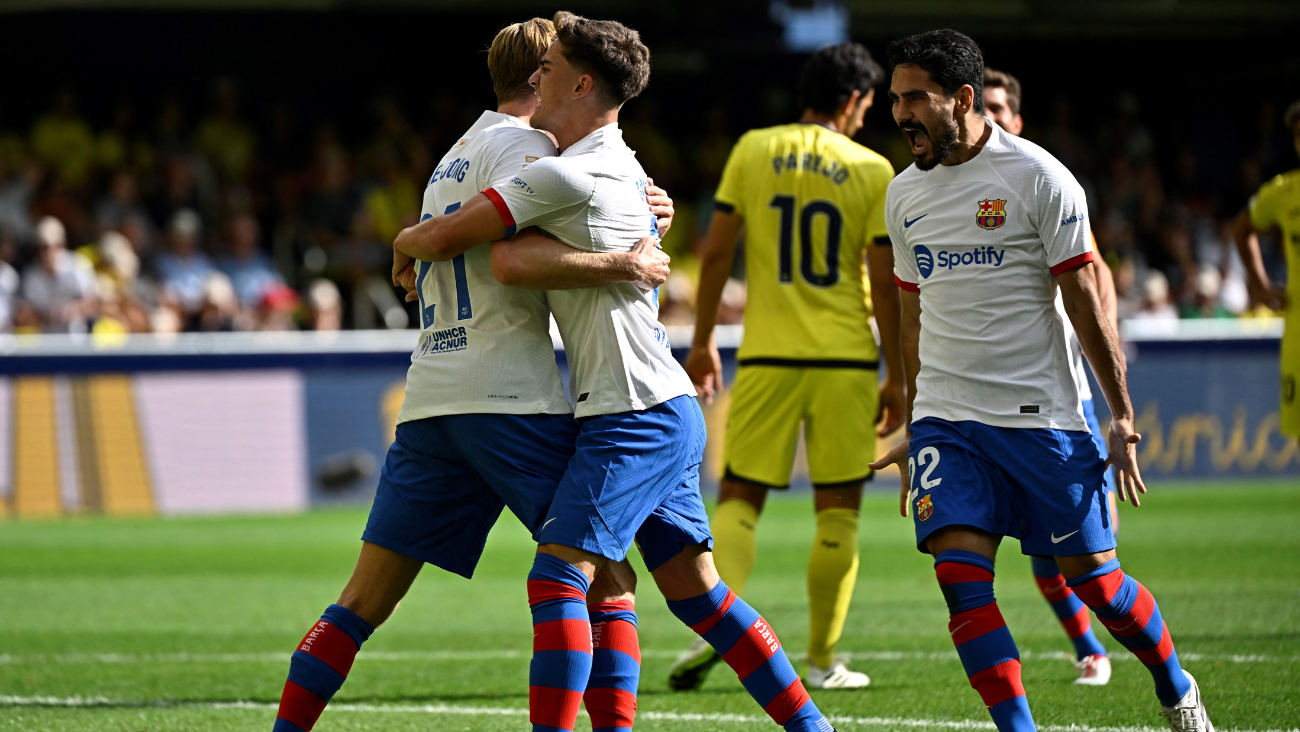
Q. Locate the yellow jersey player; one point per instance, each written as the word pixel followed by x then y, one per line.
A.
pixel 1276 207
pixel 811 201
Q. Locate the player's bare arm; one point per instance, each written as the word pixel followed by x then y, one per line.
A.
pixel 703 363
pixel 1262 290
pixel 534 261
pixel 910 348
pixel 888 311
pixel 442 238
pixel 1101 346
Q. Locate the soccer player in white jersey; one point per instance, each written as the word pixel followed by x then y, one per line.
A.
pixel 635 475
pixel 485 422
pixel 986 227
pixel 1002 97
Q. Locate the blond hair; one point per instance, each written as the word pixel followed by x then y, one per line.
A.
pixel 515 54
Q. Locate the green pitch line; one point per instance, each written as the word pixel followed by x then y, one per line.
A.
pixel 185 617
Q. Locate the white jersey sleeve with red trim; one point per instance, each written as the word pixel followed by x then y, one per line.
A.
pixel 548 191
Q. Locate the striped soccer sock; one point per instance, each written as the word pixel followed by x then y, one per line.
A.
pixel 1131 615
pixel 987 651
pixel 561 665
pixel 319 667
pixel 750 647
pixel 1069 609
pixel 615 666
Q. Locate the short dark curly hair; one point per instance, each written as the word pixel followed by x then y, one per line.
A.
pixel 1292 116
pixel 609 51
pixel 952 58
pixel 831 75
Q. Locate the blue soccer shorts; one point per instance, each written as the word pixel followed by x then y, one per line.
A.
pixel 1099 439
pixel 446 479
pixel 634 478
pixel 1044 487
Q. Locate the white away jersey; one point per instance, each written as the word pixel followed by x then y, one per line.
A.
pixel 592 197
pixel 484 347
pixel 981 243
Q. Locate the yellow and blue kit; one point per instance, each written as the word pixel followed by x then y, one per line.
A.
pixel 1277 205
pixel 812 202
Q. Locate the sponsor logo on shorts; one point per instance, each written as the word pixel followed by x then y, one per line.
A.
pixel 924 508
pixel 442 341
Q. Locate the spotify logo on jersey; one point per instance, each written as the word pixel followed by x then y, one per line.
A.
pixel 924 260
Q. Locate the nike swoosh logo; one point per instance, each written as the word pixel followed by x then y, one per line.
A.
pixel 908 224
pixel 1056 540
pixel 548 521
pixel 959 627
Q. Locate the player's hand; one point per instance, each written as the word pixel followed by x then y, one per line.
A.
pixel 649 263
pixel 893 403
pixel 704 366
pixel 401 264
pixel 1122 445
pixel 660 205
pixel 898 456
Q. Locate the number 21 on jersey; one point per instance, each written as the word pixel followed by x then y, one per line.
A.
pixel 464 310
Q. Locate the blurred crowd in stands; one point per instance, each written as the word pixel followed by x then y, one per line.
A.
pixel 171 219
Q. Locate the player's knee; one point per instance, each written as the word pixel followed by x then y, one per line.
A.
pixel 733 489
pixel 615 583
pixel 838 495
pixel 964 538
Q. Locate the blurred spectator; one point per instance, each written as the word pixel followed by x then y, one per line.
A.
pixel 8 294
pixel 64 141
pixel 183 268
pixel 325 305
pixel 16 189
pixel 249 270
pixel 1155 299
pixel 226 141
pixel 58 289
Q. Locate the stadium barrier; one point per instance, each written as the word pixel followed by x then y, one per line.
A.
pixel 238 422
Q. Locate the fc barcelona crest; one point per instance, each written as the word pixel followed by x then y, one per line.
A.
pixel 924 508
pixel 992 214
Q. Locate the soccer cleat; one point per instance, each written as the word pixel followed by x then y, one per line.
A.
pixel 1094 670
pixel 1188 715
pixel 838 676
pixel 693 666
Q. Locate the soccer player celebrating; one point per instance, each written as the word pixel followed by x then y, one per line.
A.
pixel 812 202
pixel 1002 104
pixel 986 227
pixel 1276 207
pixel 635 474
pixel 485 422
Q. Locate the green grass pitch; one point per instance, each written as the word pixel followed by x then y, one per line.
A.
pixel 187 624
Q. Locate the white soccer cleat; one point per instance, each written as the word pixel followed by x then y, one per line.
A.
pixel 1188 715
pixel 693 666
pixel 1093 670
pixel 838 676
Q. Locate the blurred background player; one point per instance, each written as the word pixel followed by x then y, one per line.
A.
pixel 811 201
pixel 462 452
pixel 986 227
pixel 1002 97
pixel 1276 208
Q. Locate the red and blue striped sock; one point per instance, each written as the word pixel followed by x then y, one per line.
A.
pixel 557 594
pixel 750 647
pixel 1069 609
pixel 615 666
pixel 987 650
pixel 319 667
pixel 1131 615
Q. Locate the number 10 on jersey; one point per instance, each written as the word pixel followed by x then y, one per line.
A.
pixel 464 310
pixel 834 225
